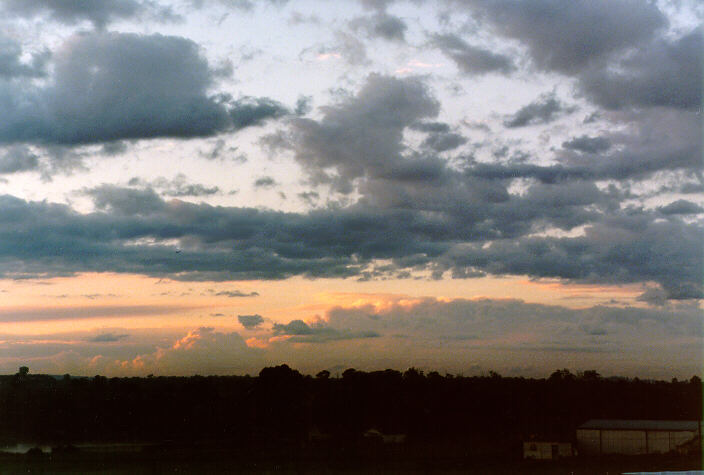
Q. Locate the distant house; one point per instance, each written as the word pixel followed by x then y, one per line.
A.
pixel 541 450
pixel 634 437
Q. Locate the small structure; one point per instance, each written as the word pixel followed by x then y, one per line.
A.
pixel 542 450
pixel 634 437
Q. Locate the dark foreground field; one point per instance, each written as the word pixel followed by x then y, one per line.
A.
pixel 362 422
pixel 218 460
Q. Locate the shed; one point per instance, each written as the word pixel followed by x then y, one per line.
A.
pixel 634 437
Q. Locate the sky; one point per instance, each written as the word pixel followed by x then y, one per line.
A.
pixel 462 186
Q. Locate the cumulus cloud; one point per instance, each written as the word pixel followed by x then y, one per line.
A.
pixel 363 134
pixel 113 86
pixel 203 351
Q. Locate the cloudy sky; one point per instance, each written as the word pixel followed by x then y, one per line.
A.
pixel 213 186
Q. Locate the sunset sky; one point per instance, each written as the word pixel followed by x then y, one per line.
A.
pixel 216 186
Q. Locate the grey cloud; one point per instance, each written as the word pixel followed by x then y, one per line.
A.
pixel 442 142
pixel 235 293
pixel 18 159
pixel 108 337
pixel 250 111
pixel 112 86
pixel 654 296
pixel 543 110
pixel 434 127
pixel 681 207
pixel 250 321
pixel 126 201
pixel 76 312
pixel 472 59
pixel 99 13
pixel 301 332
pixel 12 66
pixel 618 249
pixel 569 38
pixel 516 326
pixel 264 182
pixel 310 197
pixel 657 139
pixel 176 187
pixel 382 25
pixel 665 73
pixel 588 144
pixel 303 105
pixel 378 5
pixel 237 243
pixel 114 148
pixel 351 48
pixel 294 327
pixel 362 135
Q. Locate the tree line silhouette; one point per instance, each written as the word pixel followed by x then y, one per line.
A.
pixel 281 407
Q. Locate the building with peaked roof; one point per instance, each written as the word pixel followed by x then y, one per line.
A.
pixel 634 437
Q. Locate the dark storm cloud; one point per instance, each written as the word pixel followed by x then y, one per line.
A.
pixel 541 111
pixel 569 38
pixel 250 321
pixel 99 13
pixel 300 332
pixel 112 86
pixel 381 25
pixel 681 207
pixel 472 59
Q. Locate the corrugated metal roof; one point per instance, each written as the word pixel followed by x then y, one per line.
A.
pixel 639 424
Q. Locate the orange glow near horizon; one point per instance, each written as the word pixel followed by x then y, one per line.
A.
pixel 180 304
